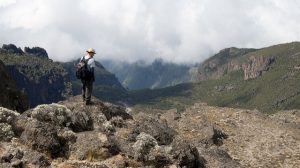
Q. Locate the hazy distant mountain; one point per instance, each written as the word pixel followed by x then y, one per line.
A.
pixel 158 74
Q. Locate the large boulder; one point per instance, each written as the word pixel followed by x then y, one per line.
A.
pixel 185 154
pixel 60 115
pixel 143 145
pixel 7 116
pixel 92 146
pixel 99 112
pixel 43 137
pixel 22 157
pixel 147 150
pixel 160 131
pixel 6 132
pixel 7 121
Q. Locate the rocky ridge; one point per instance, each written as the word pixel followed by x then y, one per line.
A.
pixel 70 134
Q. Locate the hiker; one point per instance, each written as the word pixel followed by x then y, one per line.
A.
pixel 87 75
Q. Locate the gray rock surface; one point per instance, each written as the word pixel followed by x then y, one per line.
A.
pixel 160 131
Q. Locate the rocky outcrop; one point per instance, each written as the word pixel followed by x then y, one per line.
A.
pixel 43 80
pixel 10 96
pixel 7 118
pixel 36 51
pixel 228 60
pixel 256 66
pixel 221 63
pixel 45 136
pixel 201 136
pixel 11 49
pixel 227 137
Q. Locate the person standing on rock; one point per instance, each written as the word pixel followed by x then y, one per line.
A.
pixel 87 75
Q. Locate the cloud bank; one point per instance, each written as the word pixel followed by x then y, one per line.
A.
pixel 181 31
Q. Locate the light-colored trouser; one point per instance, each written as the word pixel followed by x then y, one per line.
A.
pixel 87 88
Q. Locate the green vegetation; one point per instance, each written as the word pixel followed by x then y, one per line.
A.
pixel 277 89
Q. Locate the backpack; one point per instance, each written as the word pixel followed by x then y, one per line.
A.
pixel 82 71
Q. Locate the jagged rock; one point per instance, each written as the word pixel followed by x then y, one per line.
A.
pixel 256 66
pixel 36 159
pixel 42 137
pixel 7 116
pixel 217 157
pixel 17 157
pixel 92 146
pixel 160 131
pixel 60 115
pixel 108 127
pixel 110 111
pixel 68 136
pixel 118 122
pixel 6 132
pixel 186 154
pixel 7 119
pixel 218 136
pixel 36 51
pixel 12 49
pixel 81 121
pixel 52 113
pixel 99 112
pixel 141 148
pixel 146 149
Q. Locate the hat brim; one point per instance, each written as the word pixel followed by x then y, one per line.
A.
pixel 90 52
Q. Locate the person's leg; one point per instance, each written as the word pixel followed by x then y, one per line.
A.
pixel 83 90
pixel 89 89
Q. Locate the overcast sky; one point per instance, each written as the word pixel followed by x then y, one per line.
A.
pixel 182 31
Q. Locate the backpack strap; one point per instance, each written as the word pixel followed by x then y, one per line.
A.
pixel 85 60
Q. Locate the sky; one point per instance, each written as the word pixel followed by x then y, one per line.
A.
pixel 179 31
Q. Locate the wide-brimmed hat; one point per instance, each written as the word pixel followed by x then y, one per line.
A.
pixel 91 50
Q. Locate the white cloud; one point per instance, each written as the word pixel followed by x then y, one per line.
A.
pixel 178 31
pixel 4 3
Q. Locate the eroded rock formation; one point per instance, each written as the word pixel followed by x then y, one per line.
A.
pixel 71 134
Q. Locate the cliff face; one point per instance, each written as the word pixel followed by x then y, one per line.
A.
pixel 256 66
pixel 230 60
pixel 43 80
pixel 10 96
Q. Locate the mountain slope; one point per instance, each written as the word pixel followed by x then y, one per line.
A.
pixel 10 96
pixel 266 79
pixel 106 85
pixel 158 74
